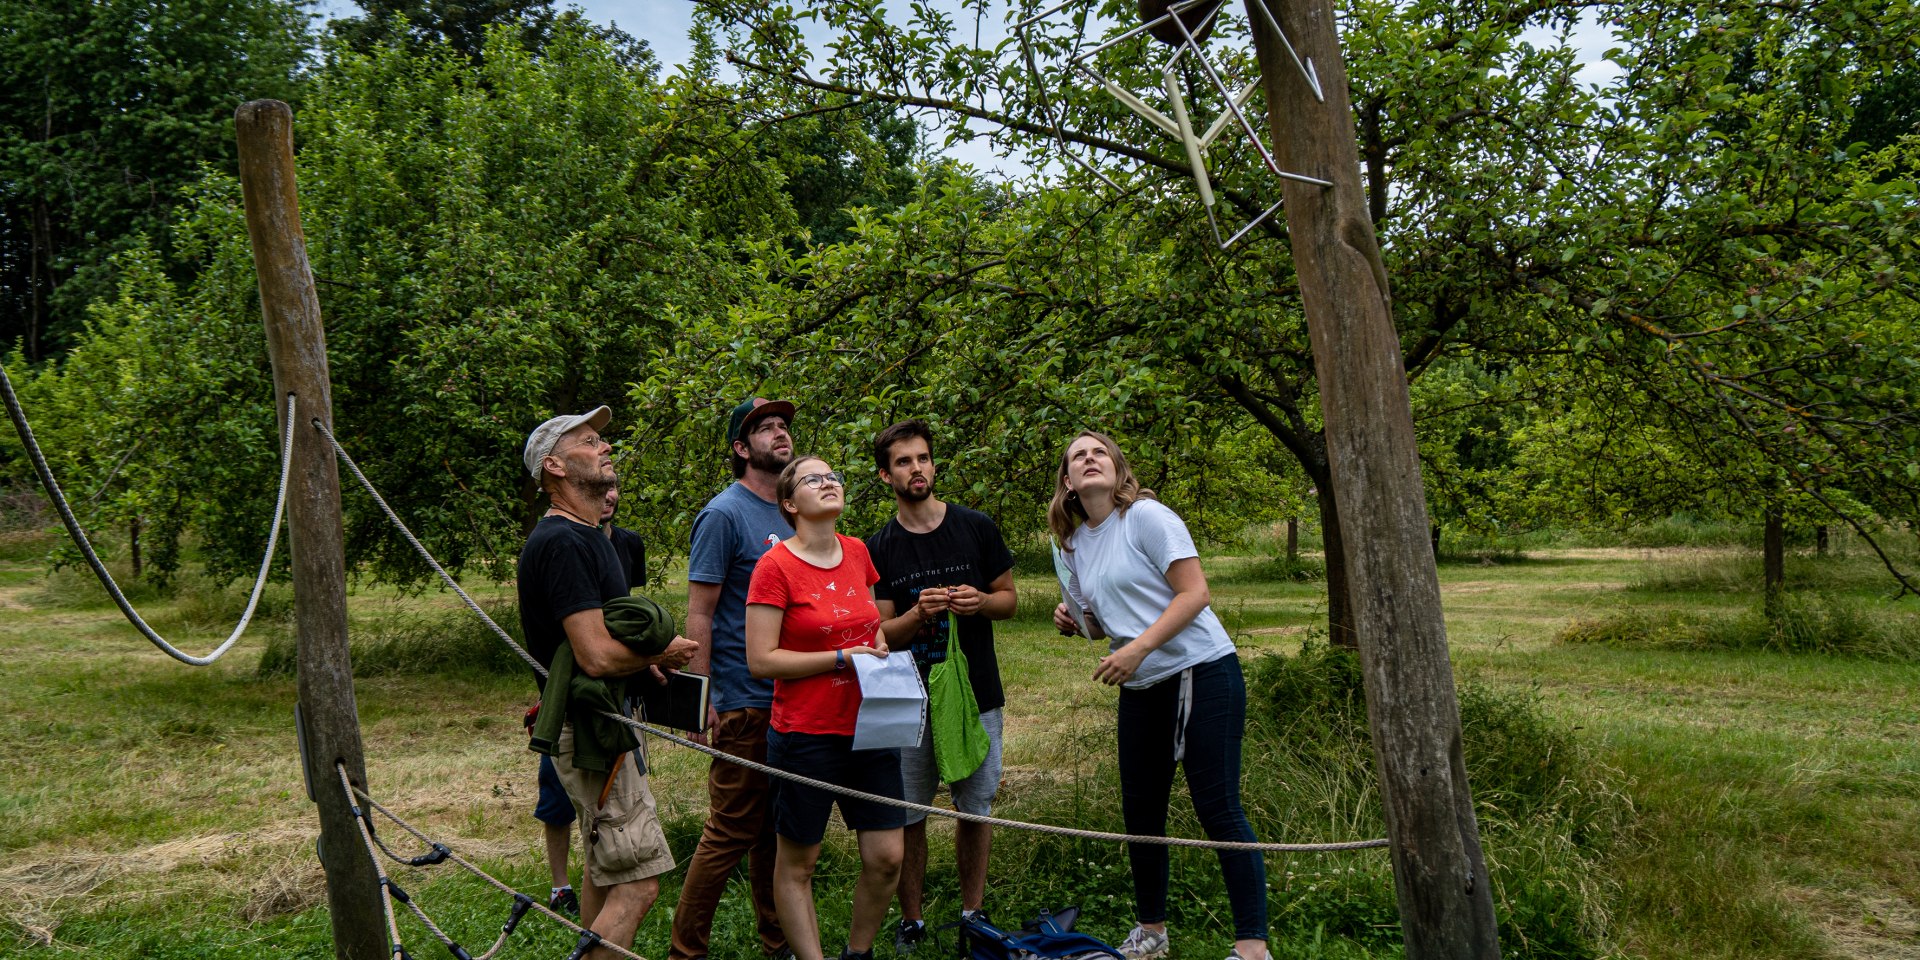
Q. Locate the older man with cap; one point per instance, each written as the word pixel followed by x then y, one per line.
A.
pixel 729 536
pixel 568 571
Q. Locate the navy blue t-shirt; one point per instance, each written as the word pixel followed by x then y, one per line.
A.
pixel 966 548
pixel 730 535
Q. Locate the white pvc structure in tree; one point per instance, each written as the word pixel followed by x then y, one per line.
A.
pixel 1185 26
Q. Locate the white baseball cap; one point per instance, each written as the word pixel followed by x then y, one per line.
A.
pixel 541 441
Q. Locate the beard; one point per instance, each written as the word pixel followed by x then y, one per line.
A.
pixel 592 489
pixel 907 493
pixel 766 461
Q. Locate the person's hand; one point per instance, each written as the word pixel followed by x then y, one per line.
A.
pixel 1119 666
pixel 677 654
pixel 965 600
pixel 1064 622
pixel 880 642
pixel 713 723
pixel 932 602
pixel 876 651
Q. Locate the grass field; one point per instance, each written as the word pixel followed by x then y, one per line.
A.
pixel 1756 803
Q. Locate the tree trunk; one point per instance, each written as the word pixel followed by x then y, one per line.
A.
pixel 1293 539
pixel 1340 628
pixel 1440 874
pixel 133 539
pixel 1436 542
pixel 40 274
pixel 1774 559
pixel 1820 540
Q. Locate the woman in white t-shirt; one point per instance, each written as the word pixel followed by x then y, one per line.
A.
pixel 1183 702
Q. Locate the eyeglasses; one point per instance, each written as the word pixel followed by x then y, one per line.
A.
pixel 589 442
pixel 814 481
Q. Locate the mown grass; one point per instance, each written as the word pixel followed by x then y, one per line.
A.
pixel 1657 802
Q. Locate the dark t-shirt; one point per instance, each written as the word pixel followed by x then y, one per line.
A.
pixel 633 556
pixel 565 568
pixel 966 548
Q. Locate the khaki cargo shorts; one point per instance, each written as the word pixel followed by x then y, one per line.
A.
pixel 623 839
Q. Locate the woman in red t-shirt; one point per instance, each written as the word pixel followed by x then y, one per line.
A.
pixel 810 610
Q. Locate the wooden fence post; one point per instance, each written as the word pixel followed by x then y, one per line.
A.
pixel 297 345
pixel 1440 875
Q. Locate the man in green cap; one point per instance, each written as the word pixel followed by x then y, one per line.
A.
pixel 729 536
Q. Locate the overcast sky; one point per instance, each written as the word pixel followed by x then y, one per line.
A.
pixel 664 24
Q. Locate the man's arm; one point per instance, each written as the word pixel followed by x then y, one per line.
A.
pixel 997 602
pixel 596 652
pixel 900 629
pixel 702 600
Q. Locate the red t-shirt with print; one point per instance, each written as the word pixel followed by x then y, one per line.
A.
pixel 825 609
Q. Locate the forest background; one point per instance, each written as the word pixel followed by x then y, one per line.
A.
pixel 1687 291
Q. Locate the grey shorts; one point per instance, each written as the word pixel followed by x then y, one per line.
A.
pixel 921 777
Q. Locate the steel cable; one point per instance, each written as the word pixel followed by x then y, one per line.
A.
pixel 79 536
pixel 496 883
pixel 386 884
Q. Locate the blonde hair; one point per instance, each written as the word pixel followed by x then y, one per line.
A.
pixel 784 487
pixel 1065 513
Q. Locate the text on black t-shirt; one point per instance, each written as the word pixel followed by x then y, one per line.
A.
pixel 966 548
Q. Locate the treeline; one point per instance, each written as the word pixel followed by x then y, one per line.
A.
pixel 1692 288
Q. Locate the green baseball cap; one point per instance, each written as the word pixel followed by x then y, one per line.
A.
pixel 752 409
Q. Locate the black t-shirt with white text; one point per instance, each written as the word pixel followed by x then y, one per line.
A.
pixel 966 548
pixel 566 567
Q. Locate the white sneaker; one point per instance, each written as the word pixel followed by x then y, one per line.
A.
pixel 1144 944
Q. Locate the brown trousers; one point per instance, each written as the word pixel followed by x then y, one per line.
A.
pixel 739 824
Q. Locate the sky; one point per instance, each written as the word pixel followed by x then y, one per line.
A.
pixel 664 25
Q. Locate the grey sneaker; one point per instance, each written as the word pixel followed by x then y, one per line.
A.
pixel 1144 944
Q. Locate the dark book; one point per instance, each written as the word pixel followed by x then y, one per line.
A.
pixel 680 703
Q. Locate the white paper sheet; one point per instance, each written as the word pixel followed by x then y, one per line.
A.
pixel 1061 570
pixel 893 703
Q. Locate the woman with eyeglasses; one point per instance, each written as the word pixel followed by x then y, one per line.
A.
pixel 1135 576
pixel 810 611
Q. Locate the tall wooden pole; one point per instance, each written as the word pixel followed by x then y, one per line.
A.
pixel 297 345
pixel 1440 876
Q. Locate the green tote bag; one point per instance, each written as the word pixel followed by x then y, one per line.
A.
pixel 959 739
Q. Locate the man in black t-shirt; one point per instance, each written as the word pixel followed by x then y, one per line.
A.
pixel 553 809
pixel 568 571
pixel 944 570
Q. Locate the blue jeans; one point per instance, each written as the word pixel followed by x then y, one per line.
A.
pixel 1214 730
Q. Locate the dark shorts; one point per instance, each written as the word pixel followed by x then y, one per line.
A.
pixel 800 811
pixel 553 808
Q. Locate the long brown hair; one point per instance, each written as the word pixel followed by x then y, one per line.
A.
pixel 788 482
pixel 1066 513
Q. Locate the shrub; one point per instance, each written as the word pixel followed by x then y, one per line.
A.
pixel 1545 814
pixel 1276 569
pixel 414 643
pixel 1800 624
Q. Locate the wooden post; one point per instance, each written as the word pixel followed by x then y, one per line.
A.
pixel 297 345
pixel 1440 875
pixel 1293 539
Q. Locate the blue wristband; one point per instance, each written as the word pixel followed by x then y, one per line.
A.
pixel 839 659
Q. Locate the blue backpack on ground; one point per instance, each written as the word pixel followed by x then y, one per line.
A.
pixel 1047 938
